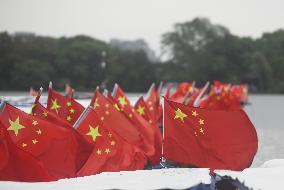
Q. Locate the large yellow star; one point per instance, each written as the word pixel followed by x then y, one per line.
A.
pixel 55 106
pixel 15 126
pixel 140 110
pixel 122 101
pixel 180 115
pixel 94 132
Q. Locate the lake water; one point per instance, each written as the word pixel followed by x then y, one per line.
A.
pixel 265 111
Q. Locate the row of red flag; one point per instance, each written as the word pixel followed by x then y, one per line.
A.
pixel 66 140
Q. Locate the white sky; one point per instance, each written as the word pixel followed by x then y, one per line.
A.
pixel 132 19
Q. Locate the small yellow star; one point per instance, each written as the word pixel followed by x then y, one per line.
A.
pixel 122 101
pixel 201 130
pixel 140 110
pixel 109 134
pixel 194 113
pixel 102 118
pixel 34 122
pixel 24 145
pixel 150 103
pixel 38 131
pixel 15 126
pixel 55 106
pixel 96 104
pixel 150 121
pixel 107 105
pixel 112 143
pixel 195 133
pixel 107 150
pixel 180 115
pixel 72 110
pixel 45 114
pixel 68 118
pixel 107 112
pixel 201 121
pixel 94 132
pixel 99 151
pixel 130 115
pixel 68 104
pixel 34 141
pixel 151 108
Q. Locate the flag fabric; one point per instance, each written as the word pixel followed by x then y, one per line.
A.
pixel 183 89
pixel 152 99
pixel 216 139
pixel 143 110
pixel 17 164
pixel 84 148
pixel 111 116
pixel 65 107
pixel 110 152
pixel 54 146
pixel 144 127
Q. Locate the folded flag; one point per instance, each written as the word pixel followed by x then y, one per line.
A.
pixel 17 164
pixel 216 139
pixel 55 146
pixel 110 152
pixel 65 107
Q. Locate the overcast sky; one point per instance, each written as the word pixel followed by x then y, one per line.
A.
pixel 132 19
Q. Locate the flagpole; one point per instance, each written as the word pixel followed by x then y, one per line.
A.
pixel 188 93
pixel 196 102
pixel 114 89
pixel 163 158
pixel 82 117
pixel 50 85
pixel 2 105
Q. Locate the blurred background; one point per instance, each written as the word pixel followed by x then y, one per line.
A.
pixel 133 42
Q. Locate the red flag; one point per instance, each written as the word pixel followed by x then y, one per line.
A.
pixel 144 127
pixel 111 152
pixel 84 148
pixel 54 146
pixel 66 108
pixel 217 139
pixel 143 110
pixel 183 89
pixel 153 101
pixel 18 165
pixel 115 120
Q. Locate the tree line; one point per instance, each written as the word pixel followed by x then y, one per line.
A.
pixel 196 50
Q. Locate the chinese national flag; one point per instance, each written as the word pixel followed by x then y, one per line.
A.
pixel 66 108
pixel 143 126
pixel 181 91
pixel 110 152
pixel 84 148
pixel 55 146
pixel 18 165
pixel 143 110
pixel 111 116
pixel 216 139
pixel 153 102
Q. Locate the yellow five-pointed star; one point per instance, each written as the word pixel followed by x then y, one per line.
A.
pixel 55 106
pixel 68 118
pixel 140 110
pixel 116 107
pixel 45 114
pixel 94 132
pixel 107 151
pixel 180 115
pixel 99 151
pixel 122 101
pixel 38 131
pixel 15 126
pixel 112 143
pixel 201 121
pixel 68 104
pixel 194 113
pixel 72 110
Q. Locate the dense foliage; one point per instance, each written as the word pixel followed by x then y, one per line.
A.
pixel 197 50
